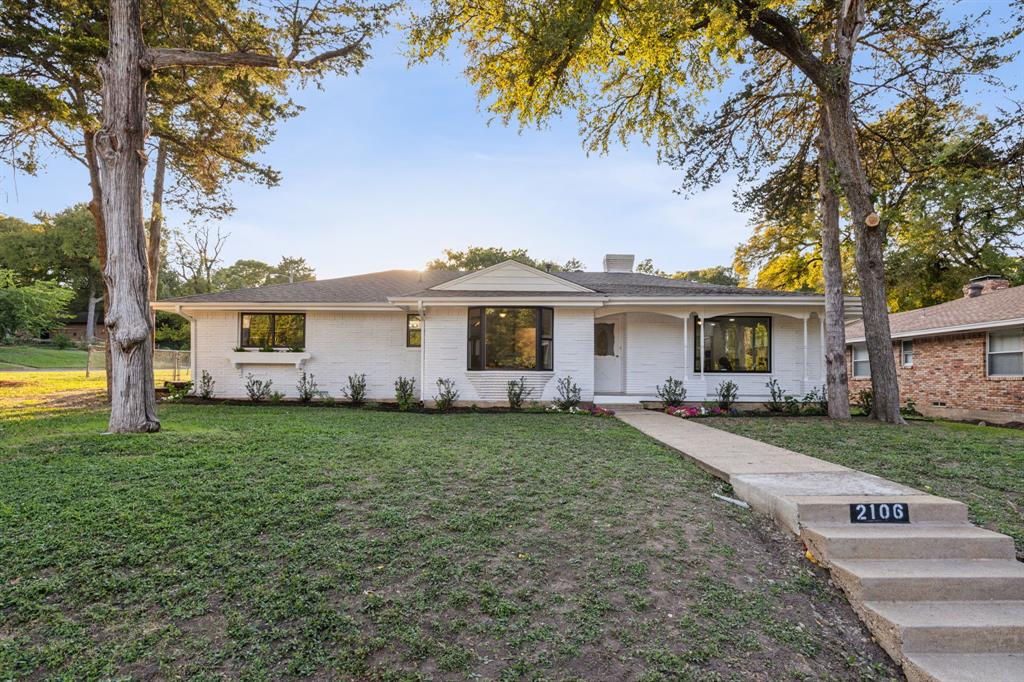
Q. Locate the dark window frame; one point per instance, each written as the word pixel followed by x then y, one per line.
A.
pixel 409 330
pixel 273 325
pixel 541 338
pixel 698 331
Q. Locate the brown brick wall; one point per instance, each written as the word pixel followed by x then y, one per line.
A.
pixel 951 370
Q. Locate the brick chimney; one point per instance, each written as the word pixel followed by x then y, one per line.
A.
pixel 619 262
pixel 984 285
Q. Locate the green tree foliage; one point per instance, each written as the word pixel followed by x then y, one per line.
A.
pixel 243 274
pixel 718 274
pixel 30 309
pixel 480 257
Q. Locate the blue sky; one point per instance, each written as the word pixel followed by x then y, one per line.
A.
pixel 387 168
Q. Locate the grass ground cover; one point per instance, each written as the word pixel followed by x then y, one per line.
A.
pixel 25 395
pixel 272 542
pixel 41 358
pixel 982 466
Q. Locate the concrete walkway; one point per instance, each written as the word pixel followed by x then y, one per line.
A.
pixel 943 597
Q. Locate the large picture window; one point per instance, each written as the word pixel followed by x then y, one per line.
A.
pixel 734 344
pixel 273 330
pixel 511 338
pixel 1006 354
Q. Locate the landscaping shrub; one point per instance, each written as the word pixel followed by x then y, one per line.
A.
pixel 206 384
pixel 276 397
pixel 307 388
pixel 176 393
pixel 816 401
pixel 447 394
pixel 62 341
pixel 569 394
pixel 911 409
pixel 777 402
pixel 791 405
pixel 517 392
pixel 258 389
pixel 356 389
pixel 404 387
pixel 727 392
pixel 864 399
pixel 672 392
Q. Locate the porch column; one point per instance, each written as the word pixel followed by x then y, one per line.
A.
pixel 700 324
pixel 803 385
pixel 686 344
pixel 423 347
pixel 821 342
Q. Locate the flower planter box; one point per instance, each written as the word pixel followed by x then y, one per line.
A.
pixel 258 358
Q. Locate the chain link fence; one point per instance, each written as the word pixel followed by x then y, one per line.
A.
pixel 168 365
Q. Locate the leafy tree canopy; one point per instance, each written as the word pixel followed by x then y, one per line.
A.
pixel 480 257
pixel 32 308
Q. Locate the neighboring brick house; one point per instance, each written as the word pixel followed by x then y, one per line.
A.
pixel 963 359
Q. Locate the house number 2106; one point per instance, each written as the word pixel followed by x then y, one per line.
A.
pixel 879 512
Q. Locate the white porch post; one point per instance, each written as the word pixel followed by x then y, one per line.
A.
pixel 803 384
pixel 423 347
pixel 821 343
pixel 686 344
pixel 700 324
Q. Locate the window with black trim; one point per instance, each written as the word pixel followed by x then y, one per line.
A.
pixel 734 344
pixel 512 338
pixel 273 330
pixel 413 330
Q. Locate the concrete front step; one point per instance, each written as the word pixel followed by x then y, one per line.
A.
pixel 946 626
pixel 834 510
pixel 930 579
pixel 964 667
pixel 906 541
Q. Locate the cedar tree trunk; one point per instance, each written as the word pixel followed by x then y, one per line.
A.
pixel 870 242
pixel 120 146
pixel 96 208
pixel 156 220
pixel 836 385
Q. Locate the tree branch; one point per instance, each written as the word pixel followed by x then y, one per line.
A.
pixel 164 57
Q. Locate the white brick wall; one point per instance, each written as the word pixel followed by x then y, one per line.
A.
pixel 445 348
pixel 343 343
pixel 339 343
pixel 654 351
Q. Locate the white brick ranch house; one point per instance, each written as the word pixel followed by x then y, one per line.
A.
pixel 617 333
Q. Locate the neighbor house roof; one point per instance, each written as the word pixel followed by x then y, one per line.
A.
pixel 1002 307
pixel 383 287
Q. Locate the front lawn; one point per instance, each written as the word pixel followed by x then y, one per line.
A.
pixel 981 466
pixel 281 541
pixel 25 395
pixel 36 357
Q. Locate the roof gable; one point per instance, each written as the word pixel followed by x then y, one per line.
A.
pixel 511 276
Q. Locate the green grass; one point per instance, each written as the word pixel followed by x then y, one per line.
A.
pixel 274 542
pixel 981 466
pixel 41 358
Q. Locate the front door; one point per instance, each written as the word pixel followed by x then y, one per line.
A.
pixel 608 356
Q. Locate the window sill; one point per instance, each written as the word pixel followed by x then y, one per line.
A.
pixel 278 358
pixel 1008 377
pixel 511 371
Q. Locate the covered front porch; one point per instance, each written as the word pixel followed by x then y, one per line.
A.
pixel 636 348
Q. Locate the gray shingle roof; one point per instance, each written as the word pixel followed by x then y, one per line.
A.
pixel 377 287
pixel 994 306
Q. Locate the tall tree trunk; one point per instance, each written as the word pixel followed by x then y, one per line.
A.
pixel 870 236
pixel 120 145
pixel 156 221
pixel 90 314
pixel 836 383
pixel 96 208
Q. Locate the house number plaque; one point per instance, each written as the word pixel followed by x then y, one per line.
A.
pixel 880 512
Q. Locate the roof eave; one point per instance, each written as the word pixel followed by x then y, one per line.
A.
pixel 954 329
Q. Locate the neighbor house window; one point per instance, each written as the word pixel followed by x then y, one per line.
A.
pixel 413 331
pixel 273 330
pixel 511 338
pixel 734 344
pixel 1006 354
pixel 604 339
pixel 907 353
pixel 861 366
